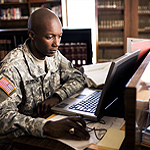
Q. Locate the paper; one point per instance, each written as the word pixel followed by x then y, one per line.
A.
pixel 96 74
pixel 145 78
pixel 112 139
pixel 146 75
pixel 80 145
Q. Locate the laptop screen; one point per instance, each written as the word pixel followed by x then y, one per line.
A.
pixel 121 70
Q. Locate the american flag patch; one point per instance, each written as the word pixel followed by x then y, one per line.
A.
pixel 6 85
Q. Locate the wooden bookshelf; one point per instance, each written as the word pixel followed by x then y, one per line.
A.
pixel 144 19
pixel 75 44
pixel 15 14
pixel 110 18
pixel 117 20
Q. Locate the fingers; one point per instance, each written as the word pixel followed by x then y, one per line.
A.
pixel 79 120
pixel 61 129
pixel 43 108
pixel 79 126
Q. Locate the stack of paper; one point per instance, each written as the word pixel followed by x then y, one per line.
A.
pixel 146 137
pixel 96 74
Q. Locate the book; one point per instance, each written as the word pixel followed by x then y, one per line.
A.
pixel 95 74
pixel 112 140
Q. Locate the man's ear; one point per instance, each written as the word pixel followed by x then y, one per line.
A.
pixel 31 35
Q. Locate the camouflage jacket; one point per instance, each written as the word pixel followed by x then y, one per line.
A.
pixel 23 84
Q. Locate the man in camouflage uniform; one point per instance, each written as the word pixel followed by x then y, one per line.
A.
pixel 33 78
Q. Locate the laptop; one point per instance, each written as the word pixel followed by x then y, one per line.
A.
pixel 101 100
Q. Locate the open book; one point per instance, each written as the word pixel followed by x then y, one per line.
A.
pixel 95 74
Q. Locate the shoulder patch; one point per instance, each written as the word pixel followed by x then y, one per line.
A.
pixel 6 85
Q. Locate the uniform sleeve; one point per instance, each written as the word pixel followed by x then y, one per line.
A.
pixel 12 122
pixel 72 79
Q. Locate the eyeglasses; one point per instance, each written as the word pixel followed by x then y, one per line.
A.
pixel 99 132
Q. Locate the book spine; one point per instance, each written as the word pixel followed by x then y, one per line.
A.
pixel 2 49
pixel 84 53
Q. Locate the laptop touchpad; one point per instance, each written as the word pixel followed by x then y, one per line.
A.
pixel 62 105
pixel 80 96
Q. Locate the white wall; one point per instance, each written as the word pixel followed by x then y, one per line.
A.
pixel 80 14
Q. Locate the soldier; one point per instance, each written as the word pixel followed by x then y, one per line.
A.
pixel 33 78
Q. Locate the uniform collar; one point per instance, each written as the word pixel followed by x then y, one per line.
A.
pixel 34 69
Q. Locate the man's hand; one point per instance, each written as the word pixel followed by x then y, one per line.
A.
pixel 44 107
pixel 60 129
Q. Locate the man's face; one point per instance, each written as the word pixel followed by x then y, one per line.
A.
pixel 47 39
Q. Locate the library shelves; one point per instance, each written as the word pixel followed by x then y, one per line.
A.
pixel 15 13
pixel 110 14
pixel 14 16
pixel 144 19
pixel 75 44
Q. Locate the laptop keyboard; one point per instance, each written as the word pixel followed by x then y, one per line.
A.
pixel 89 104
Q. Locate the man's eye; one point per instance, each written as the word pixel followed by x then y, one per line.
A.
pixel 49 37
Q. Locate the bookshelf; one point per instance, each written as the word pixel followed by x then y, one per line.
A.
pixel 110 29
pixel 11 38
pixel 15 13
pixel 14 16
pixel 75 44
pixel 144 19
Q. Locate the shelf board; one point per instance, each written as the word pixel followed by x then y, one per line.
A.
pixel 110 45
pixel 144 31
pixel 13 3
pixel 104 60
pixel 12 30
pixel 111 29
pixel 10 20
pixel 144 13
pixel 109 8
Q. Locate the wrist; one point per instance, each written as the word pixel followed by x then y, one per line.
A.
pixel 46 128
pixel 57 96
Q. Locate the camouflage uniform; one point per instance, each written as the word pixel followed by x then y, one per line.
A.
pixel 31 85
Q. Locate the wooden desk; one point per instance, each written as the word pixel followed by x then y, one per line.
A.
pixel 34 143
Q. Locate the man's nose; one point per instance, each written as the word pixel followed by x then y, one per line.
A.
pixel 57 41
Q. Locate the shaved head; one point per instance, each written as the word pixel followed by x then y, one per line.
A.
pixel 45 32
pixel 40 18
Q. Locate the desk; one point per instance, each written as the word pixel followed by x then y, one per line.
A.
pixel 34 143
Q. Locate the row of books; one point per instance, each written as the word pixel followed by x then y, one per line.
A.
pixel 13 1
pixel 56 9
pixel 5 47
pixel 75 52
pixel 105 24
pixel 21 1
pixel 11 13
pixel 16 13
pixel 110 4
